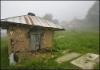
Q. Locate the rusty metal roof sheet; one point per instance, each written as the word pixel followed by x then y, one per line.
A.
pixel 32 20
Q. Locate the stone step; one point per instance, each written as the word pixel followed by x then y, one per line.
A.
pixel 67 57
pixel 87 61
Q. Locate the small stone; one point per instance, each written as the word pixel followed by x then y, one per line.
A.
pixel 66 51
pixel 52 56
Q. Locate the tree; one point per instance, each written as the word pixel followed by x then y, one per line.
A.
pixel 48 17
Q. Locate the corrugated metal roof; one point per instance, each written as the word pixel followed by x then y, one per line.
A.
pixel 32 20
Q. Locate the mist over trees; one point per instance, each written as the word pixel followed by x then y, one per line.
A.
pixel 92 18
pixel 91 21
pixel 50 18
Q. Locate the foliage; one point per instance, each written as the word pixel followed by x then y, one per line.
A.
pixel 78 41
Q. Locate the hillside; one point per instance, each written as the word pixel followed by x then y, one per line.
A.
pixel 92 18
pixel 91 21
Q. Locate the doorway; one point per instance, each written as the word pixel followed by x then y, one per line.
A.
pixel 35 41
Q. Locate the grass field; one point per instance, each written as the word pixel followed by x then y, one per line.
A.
pixel 82 42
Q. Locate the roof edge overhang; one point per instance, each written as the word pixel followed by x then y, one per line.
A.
pixel 6 24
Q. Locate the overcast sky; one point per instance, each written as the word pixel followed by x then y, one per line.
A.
pixel 61 10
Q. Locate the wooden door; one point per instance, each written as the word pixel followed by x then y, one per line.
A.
pixel 35 42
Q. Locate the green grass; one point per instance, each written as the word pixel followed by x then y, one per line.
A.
pixel 78 41
pixel 4 52
pixel 82 42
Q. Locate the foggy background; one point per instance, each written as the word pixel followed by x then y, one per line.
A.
pixel 69 14
pixel 61 10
